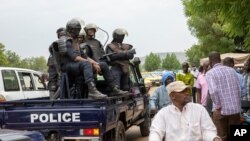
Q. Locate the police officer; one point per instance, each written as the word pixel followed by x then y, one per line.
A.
pixel 95 51
pixel 120 60
pixel 53 69
pixel 76 63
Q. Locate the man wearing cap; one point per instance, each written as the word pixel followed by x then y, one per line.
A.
pixel 182 120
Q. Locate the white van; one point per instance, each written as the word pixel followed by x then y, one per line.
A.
pixel 18 83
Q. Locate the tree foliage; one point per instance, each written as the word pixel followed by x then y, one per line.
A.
pixel 11 59
pixel 232 16
pixel 3 59
pixel 209 21
pixel 152 62
pixel 170 62
pixel 14 60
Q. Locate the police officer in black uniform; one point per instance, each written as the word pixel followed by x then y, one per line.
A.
pixel 95 51
pixel 53 69
pixel 76 63
pixel 120 60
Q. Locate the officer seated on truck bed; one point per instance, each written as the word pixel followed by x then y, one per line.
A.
pixel 95 51
pixel 74 62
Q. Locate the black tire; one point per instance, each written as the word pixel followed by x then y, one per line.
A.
pixel 145 125
pixel 120 132
pixel 53 137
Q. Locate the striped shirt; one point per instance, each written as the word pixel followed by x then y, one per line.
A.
pixel 246 77
pixel 224 89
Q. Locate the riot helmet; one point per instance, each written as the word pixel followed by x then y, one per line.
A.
pixel 119 34
pixel 81 36
pixel 90 30
pixel 74 27
pixel 91 26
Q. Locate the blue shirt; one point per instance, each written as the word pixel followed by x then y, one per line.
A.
pixel 160 97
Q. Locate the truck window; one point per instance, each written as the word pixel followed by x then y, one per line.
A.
pixel 38 82
pixel 133 77
pixel 26 81
pixel 10 80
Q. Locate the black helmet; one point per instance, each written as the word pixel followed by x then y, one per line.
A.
pixel 61 32
pixel 74 27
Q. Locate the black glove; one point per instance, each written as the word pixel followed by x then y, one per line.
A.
pixel 130 56
pixel 131 51
pixel 62 45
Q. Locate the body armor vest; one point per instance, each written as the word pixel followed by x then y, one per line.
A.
pixel 96 48
pixel 121 48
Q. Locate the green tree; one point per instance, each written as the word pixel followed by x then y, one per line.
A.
pixel 170 62
pixel 152 62
pixel 233 17
pixel 209 28
pixel 35 63
pixel 13 59
pixel 194 54
pixel 3 59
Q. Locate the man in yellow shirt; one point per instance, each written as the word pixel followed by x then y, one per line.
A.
pixel 186 76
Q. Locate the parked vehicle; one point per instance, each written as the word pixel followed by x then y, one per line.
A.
pixel 83 119
pixel 17 135
pixel 151 79
pixel 245 112
pixel 18 83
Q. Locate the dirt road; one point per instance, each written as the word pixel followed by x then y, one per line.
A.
pixel 133 134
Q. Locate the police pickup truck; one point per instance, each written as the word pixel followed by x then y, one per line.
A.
pixel 83 119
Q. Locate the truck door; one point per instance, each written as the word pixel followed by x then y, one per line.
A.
pixel 41 87
pixel 138 100
pixel 27 85
pixel 11 89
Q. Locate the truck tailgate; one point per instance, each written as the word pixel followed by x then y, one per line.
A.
pixel 53 115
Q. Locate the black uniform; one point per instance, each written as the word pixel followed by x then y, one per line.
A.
pixel 76 68
pixel 96 54
pixel 120 63
pixel 53 84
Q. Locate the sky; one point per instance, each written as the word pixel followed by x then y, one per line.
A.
pixel 28 27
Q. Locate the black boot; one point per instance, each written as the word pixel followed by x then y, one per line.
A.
pixel 93 92
pixel 116 91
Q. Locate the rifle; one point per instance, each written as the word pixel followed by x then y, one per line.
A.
pixel 106 56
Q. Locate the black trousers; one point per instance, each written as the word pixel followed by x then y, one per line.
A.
pixel 106 72
pixel 121 79
pixel 83 68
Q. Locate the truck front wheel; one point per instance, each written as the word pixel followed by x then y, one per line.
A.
pixel 145 125
pixel 53 137
pixel 120 132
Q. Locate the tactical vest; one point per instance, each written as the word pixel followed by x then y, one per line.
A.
pixel 57 52
pixel 96 48
pixel 121 48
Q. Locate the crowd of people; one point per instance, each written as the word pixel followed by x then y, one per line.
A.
pixel 78 53
pixel 199 106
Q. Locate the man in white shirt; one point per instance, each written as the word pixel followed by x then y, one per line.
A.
pixel 182 121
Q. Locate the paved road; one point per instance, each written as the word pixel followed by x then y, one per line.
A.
pixel 133 134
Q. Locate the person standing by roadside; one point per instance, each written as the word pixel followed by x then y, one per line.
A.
pixel 224 89
pixel 228 61
pixel 160 97
pixel 182 120
pixel 201 86
pixel 246 76
pixel 186 77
